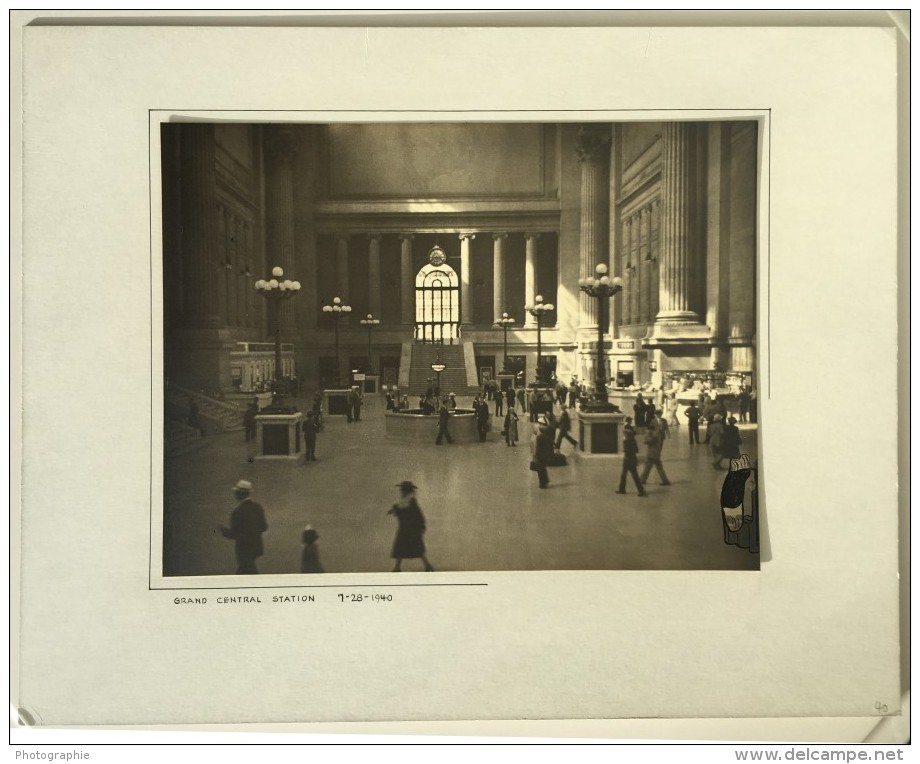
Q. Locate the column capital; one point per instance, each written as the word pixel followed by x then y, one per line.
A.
pixel 342 237
pixel 374 236
pixel 531 236
pixel 405 236
pixel 591 142
pixel 469 236
pixel 499 236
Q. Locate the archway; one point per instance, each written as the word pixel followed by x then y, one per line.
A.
pixel 437 301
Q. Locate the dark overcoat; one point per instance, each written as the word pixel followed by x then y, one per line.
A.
pixel 630 451
pixel 543 451
pixel 731 442
pixel 247 524
pixel 408 542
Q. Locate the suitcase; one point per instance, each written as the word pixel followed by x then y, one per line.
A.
pixel 557 460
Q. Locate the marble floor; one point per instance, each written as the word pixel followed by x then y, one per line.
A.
pixel 483 507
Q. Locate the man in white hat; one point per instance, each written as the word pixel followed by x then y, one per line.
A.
pixel 247 524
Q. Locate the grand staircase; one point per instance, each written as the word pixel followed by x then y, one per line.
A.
pixel 181 439
pixel 455 378
pixel 215 416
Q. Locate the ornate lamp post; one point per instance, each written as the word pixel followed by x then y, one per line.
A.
pixel 337 309
pixel 504 323
pixel 602 287
pixel 275 291
pixel 538 310
pixel 370 322
pixel 437 367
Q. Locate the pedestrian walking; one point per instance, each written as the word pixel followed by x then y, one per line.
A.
pixel 630 459
pixel 443 420
pixel 356 401
pixel 563 428
pixel 639 411
pixel 542 453
pixel 249 421
pixel 672 404
pixel 709 414
pixel 409 543
pixel 561 393
pixel 511 427
pixel 663 429
pixel 574 391
pixel 693 423
pixel 310 427
pixel 247 524
pixel 510 398
pixel 499 403
pixel 731 443
pixel 744 403
pixel 715 441
pixel 309 555
pixel 481 409
pixel 654 440
pixel 318 410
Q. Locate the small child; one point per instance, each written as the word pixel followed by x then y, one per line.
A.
pixel 309 557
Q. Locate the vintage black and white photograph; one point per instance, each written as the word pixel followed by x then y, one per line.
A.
pixel 481 379
pixel 459 346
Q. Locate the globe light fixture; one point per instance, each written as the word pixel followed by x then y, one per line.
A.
pixel 275 292
pixel 601 287
pixel 538 310
pixel 504 323
pixel 337 310
pixel 371 323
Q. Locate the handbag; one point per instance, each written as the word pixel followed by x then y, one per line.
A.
pixel 534 467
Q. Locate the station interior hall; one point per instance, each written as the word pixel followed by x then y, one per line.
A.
pixel 405 266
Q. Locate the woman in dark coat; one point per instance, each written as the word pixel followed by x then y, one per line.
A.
pixel 409 543
pixel 731 442
pixel 639 410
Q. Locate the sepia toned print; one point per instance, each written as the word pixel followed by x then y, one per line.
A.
pixel 513 319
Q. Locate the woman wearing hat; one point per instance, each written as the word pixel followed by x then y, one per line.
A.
pixel 409 542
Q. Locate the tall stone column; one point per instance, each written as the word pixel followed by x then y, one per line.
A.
pixel 279 209
pixel 593 148
pixel 341 266
pixel 199 226
pixel 498 274
pixel 466 293
pixel 407 296
pixel 530 275
pixel 373 273
pixel 676 275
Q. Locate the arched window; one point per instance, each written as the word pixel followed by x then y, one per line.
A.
pixel 437 301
